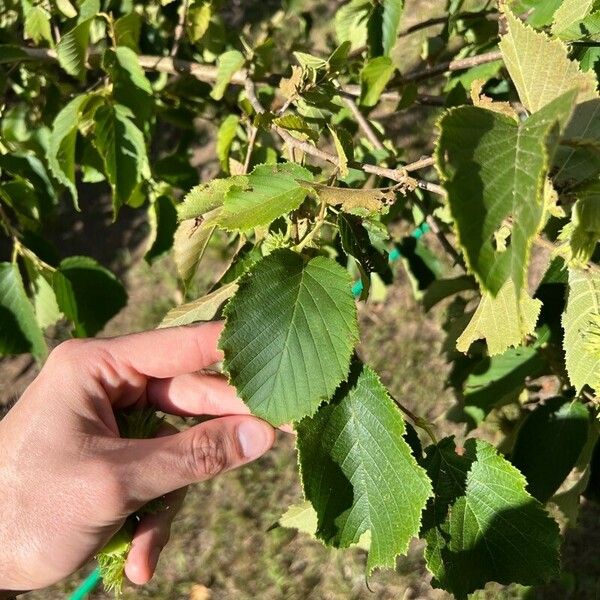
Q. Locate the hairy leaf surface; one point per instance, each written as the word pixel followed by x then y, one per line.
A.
pixel 360 436
pixel 290 331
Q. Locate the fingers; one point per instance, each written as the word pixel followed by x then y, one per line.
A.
pixel 195 394
pixel 150 537
pixel 168 352
pixel 158 466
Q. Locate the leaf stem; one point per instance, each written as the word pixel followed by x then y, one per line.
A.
pixel 419 422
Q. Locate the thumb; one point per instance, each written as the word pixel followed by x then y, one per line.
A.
pixel 158 466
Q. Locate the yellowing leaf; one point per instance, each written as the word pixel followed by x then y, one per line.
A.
pixel 568 15
pixel 580 324
pixel 501 321
pixel 356 201
pixel 540 67
pixel 202 309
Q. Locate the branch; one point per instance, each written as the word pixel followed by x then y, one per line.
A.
pixel 179 28
pixel 363 123
pixel 459 64
pixel 492 15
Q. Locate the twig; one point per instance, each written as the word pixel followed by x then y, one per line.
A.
pixel 552 247
pixel 180 28
pixel 418 421
pixel 464 16
pixel 251 142
pixel 208 73
pixel 459 64
pixel 363 123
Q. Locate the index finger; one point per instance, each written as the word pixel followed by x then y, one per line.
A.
pixel 171 351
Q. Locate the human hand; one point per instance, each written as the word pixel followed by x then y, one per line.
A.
pixel 68 481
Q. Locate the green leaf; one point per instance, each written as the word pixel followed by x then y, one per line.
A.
pixel 66 8
pixel 19 331
pixel 31 168
pixel 392 11
pixel 293 122
pixel 61 145
pixel 548 444
pixel 127 31
pixel 208 196
pixel 501 321
pixel 72 48
pixel 228 63
pixel 37 25
pixel 582 233
pixel 351 23
pixel 361 434
pixel 440 289
pixel 497 380
pixel 162 215
pixel 568 16
pixel 540 67
pixel 494 532
pixel 87 293
pixel 198 19
pixel 578 157
pixel 202 309
pixel 505 193
pixel 122 147
pixel 225 138
pixel 580 324
pixel 46 308
pixel 131 88
pixel 270 191
pixel 191 239
pixel 374 76
pixel 342 140
pixel 290 331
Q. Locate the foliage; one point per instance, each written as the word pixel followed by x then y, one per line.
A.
pixel 313 180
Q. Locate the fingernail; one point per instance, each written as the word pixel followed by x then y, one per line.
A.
pixel 153 558
pixel 255 437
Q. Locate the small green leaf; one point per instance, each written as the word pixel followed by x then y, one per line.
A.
pixel 66 8
pixel 61 145
pixel 540 67
pixel 351 23
pixel 202 309
pixel 501 321
pixel 392 11
pixel 131 88
pixel 208 196
pixel 191 239
pixel 72 48
pixel 162 216
pixel 198 19
pixel 548 444
pixel 127 31
pixel 498 380
pixel 440 289
pixel 19 330
pixel 342 141
pixel 361 434
pixel 290 331
pixel 87 294
pixel 225 137
pixel 373 79
pixel 228 64
pixel 37 25
pixel 271 191
pixel 122 147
